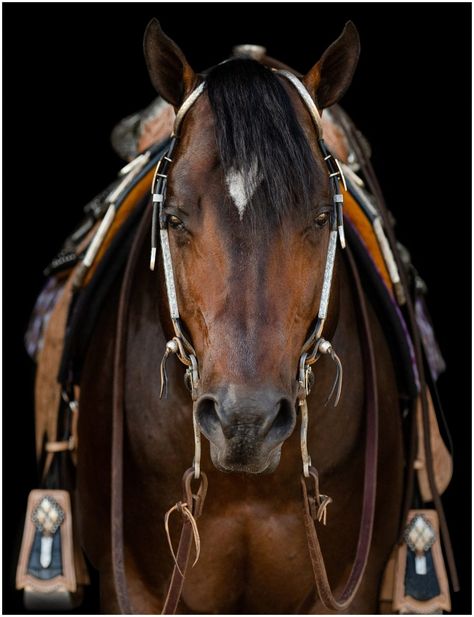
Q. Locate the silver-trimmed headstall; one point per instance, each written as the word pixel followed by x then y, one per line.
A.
pixel 179 344
pixel 335 174
pixel 315 345
pixel 334 168
pixel 159 231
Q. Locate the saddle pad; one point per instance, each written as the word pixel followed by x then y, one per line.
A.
pixel 137 192
pixel 379 287
pixel 359 221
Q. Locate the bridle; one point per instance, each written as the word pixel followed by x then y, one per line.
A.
pixel 315 345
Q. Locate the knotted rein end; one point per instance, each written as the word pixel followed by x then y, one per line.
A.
pixel 190 509
pixel 316 502
pixel 187 515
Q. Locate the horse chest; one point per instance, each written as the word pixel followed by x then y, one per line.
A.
pixel 252 561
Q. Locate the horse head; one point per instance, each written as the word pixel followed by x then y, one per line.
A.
pixel 249 212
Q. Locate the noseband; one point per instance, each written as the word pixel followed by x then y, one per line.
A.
pixel 315 345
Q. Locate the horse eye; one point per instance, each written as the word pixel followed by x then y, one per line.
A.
pixel 175 223
pixel 322 219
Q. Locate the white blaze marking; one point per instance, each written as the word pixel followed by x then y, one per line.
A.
pixel 242 186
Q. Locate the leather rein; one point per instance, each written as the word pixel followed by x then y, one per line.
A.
pixel 191 506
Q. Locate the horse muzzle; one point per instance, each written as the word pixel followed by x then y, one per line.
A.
pixel 246 427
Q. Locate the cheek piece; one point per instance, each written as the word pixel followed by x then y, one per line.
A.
pixel 315 345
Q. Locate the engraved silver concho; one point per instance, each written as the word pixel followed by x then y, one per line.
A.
pixel 420 536
pixel 47 518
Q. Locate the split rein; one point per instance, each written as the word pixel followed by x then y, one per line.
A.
pixel 190 508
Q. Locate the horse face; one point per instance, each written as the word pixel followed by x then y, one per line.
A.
pixel 248 208
pixel 247 296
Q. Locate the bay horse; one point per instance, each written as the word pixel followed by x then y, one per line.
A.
pixel 249 215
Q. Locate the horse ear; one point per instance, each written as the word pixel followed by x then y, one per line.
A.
pixel 329 78
pixel 169 70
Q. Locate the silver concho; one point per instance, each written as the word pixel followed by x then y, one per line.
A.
pixel 420 536
pixel 47 518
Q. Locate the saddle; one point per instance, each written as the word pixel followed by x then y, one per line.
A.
pixel 94 255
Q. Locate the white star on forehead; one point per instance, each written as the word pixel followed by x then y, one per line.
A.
pixel 242 186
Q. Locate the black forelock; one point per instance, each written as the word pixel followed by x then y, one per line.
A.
pixel 256 126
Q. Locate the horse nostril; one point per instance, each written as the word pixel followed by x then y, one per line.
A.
pixel 246 415
pixel 284 420
pixel 207 415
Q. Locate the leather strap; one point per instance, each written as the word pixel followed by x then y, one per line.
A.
pixel 312 500
pixel 116 506
pixel 195 502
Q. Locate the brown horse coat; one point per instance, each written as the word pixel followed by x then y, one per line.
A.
pixel 254 555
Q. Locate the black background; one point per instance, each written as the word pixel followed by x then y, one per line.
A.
pixel 71 71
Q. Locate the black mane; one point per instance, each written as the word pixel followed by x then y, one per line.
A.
pixel 256 124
